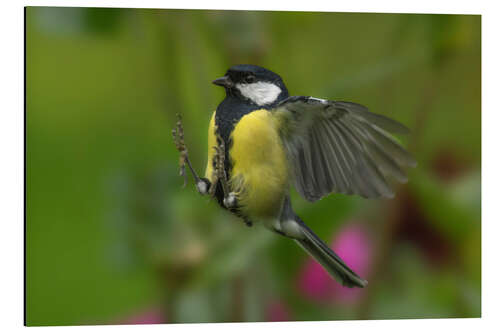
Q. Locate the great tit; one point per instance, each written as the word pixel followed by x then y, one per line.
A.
pixel 261 141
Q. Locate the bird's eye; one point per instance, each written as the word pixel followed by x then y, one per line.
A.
pixel 250 79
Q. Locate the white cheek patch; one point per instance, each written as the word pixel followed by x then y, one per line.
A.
pixel 260 93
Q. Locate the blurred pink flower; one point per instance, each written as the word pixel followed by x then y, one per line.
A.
pixel 314 282
pixel 153 315
pixel 277 311
pixel 354 246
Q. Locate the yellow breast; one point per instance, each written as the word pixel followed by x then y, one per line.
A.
pixel 212 142
pixel 260 173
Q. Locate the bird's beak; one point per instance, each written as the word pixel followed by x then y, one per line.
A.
pixel 224 81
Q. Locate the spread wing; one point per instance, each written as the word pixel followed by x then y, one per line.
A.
pixel 340 147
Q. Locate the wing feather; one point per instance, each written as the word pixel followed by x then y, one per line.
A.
pixel 341 147
pixel 340 165
pixel 329 166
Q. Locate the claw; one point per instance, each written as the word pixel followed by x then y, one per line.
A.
pixel 201 186
pixel 230 200
pixel 215 177
pixel 219 173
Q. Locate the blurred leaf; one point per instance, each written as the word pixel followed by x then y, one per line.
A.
pixel 231 258
pixel 194 307
pixel 415 291
pixel 438 204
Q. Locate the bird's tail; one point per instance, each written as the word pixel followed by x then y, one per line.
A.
pixel 330 261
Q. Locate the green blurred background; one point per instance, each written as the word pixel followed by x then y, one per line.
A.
pixel 111 236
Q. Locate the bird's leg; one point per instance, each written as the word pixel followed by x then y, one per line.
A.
pixel 220 174
pixel 202 184
pixel 215 172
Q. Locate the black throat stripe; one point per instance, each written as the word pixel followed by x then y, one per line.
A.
pixel 228 114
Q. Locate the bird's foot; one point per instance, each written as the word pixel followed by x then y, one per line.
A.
pixel 203 186
pixel 219 171
pixel 230 200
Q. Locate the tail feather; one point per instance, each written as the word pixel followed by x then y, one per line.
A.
pixel 330 261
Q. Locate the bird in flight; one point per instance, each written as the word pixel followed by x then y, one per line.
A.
pixel 261 141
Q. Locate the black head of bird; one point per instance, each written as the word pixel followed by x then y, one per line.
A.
pixel 253 84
